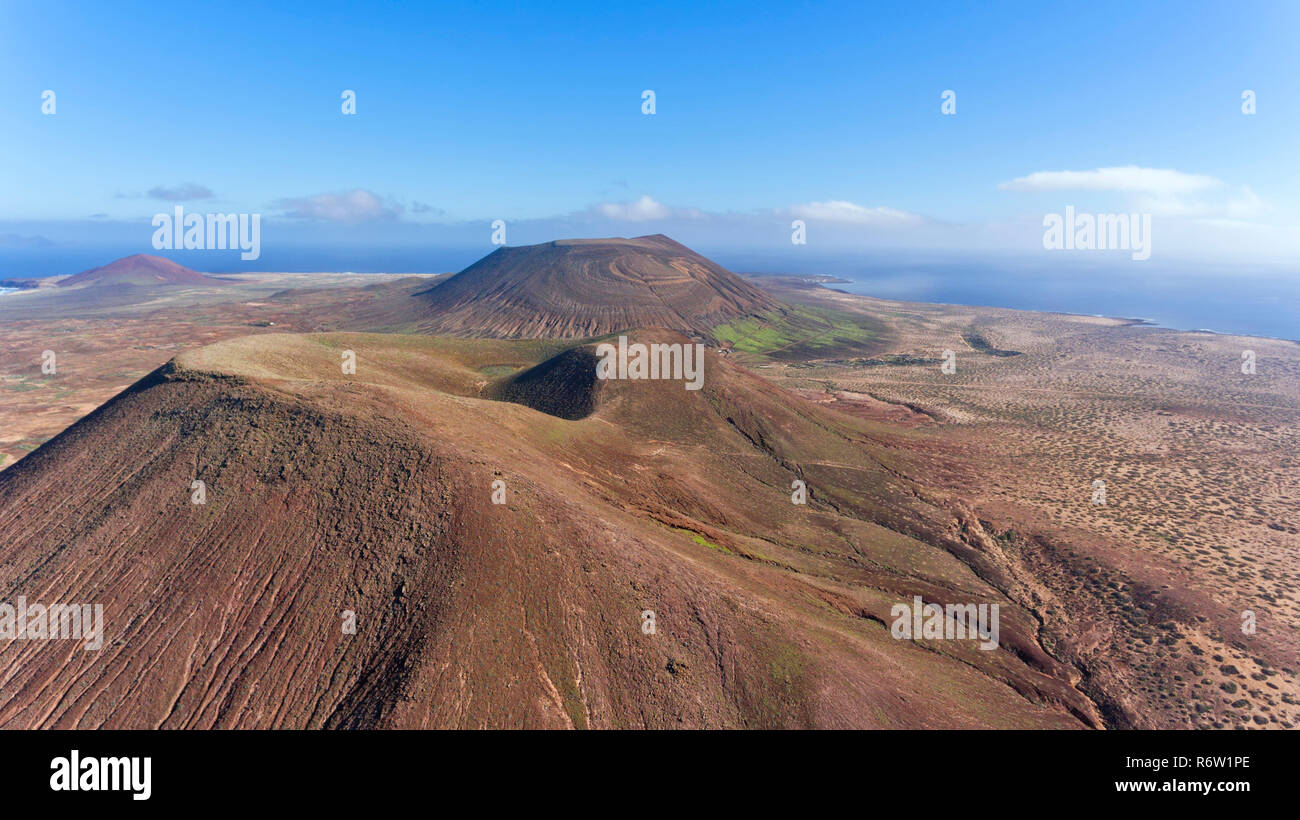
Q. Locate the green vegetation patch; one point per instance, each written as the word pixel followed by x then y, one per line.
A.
pixel 700 539
pixel 800 333
pixel 704 542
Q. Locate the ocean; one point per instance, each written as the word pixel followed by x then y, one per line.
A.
pixel 1240 304
pixel 1253 300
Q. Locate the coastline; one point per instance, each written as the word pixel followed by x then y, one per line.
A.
pixel 1124 321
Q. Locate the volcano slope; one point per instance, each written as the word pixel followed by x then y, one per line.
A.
pixel 373 494
pixel 142 270
pixel 574 288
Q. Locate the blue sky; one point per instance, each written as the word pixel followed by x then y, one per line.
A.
pixel 765 112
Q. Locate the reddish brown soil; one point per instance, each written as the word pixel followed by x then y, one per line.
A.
pixel 372 493
pixel 140 269
pixel 590 287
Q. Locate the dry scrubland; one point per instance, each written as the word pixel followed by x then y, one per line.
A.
pixel 104 339
pixel 370 492
pixel 1202 513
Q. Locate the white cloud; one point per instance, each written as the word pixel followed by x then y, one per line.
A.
pixel 1130 178
pixel 184 192
pixel 418 207
pixel 1246 205
pixel 181 193
pixel 358 205
pixel 1161 192
pixel 842 211
pixel 643 210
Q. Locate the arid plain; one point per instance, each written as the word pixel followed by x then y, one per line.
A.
pixel 1197 538
pixel 1169 602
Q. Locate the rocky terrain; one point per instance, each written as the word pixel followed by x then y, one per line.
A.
pixel 589 287
pixel 372 493
pixel 142 270
pixel 475 532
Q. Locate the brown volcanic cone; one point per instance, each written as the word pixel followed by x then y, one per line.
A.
pixel 372 494
pixel 590 287
pixel 140 269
